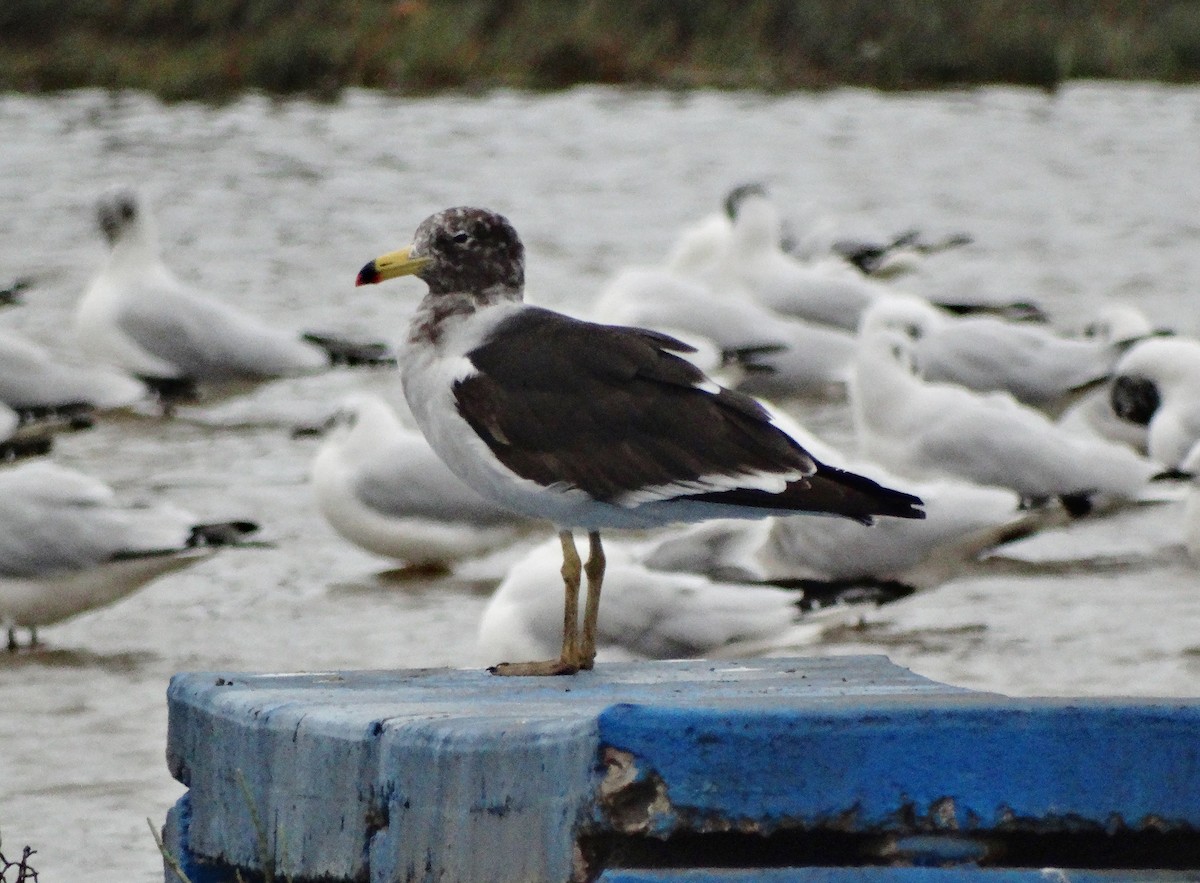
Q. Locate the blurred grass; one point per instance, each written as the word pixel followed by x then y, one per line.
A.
pixel 216 48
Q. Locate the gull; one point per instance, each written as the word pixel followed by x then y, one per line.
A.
pixel 825 290
pixel 962 520
pixel 922 429
pixel 30 434
pixel 138 316
pixel 1092 413
pixel 585 425
pixel 381 486
pixel 884 259
pixel 34 381
pixel 656 614
pixel 787 356
pixel 1156 385
pixel 1036 365
pixel 67 545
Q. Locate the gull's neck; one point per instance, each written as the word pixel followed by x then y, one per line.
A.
pixel 138 247
pixel 440 311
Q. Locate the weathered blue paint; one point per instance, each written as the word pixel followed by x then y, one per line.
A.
pixel 458 775
pixel 970 763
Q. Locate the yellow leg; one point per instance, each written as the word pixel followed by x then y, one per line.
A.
pixel 569 661
pixel 591 612
pixel 571 574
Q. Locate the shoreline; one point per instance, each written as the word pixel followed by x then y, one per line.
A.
pixel 179 50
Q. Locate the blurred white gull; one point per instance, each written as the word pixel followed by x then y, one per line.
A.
pixel 656 614
pixel 380 486
pixel 33 380
pixel 67 545
pixel 734 588
pixel 924 429
pixel 31 434
pixel 787 357
pixel 815 236
pixel 825 290
pixel 962 520
pixel 138 316
pixel 1156 385
pixel 1037 365
pixel 1093 413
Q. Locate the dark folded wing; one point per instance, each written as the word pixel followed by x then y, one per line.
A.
pixel 615 411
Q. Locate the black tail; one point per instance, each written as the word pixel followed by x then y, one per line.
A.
pixel 66 416
pixel 829 492
pixel 821 593
pixel 353 353
pixel 11 294
pixel 172 391
pixel 1017 311
pixel 226 533
pixel 746 357
pixel 20 448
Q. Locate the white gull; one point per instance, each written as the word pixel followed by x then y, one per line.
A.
pixel 68 545
pixel 381 486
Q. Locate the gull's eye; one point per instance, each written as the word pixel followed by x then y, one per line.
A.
pixel 461 238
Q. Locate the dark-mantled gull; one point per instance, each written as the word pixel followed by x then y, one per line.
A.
pixel 585 425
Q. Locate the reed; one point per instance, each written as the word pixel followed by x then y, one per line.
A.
pixel 210 49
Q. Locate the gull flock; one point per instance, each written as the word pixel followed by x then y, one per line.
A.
pixel 1001 423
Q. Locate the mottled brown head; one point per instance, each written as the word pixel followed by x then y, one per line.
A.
pixel 471 249
pixel 456 251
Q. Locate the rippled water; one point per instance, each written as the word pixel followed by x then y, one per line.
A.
pixel 1075 199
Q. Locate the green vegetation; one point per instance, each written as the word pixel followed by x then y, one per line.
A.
pixel 215 48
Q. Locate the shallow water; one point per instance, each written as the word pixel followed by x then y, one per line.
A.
pixel 1074 199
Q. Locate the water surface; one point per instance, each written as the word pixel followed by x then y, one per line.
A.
pixel 1075 199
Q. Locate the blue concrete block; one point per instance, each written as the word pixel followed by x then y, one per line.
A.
pixel 874 765
pixel 458 775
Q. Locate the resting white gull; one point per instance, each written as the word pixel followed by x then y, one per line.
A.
pixel 1092 413
pixel 815 237
pixel 67 545
pixel 963 520
pixel 825 290
pixel 138 316
pixel 585 425
pixel 654 614
pixel 34 381
pixel 1037 365
pixel 1156 385
pixel 792 357
pixel 381 486
pixel 923 429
